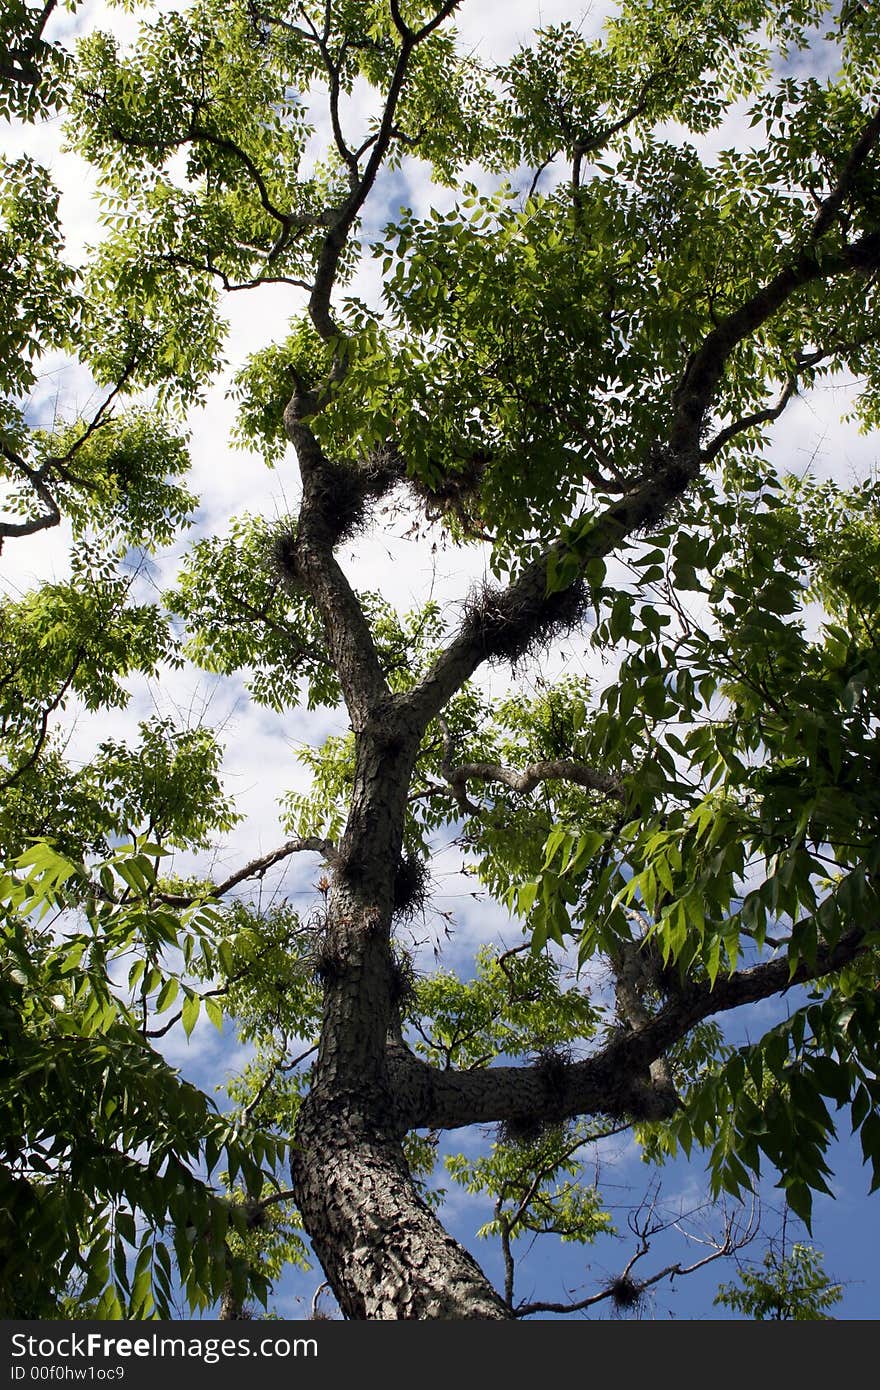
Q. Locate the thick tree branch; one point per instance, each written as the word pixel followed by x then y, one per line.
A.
pixel 694 394
pixel 362 184
pixel 558 770
pixel 697 1002
pixel 526 603
pixel 400 25
pixel 831 206
pixel 458 775
pixel 433 1098
pixel 447 767
pixel 442 14
pixel 44 522
pixel 312 563
pixel 634 976
pixel 615 1081
pixel 18 65
pixel 526 607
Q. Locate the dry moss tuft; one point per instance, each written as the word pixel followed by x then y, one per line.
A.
pixel 255 1215
pixel 411 887
pixel 328 965
pixel 282 556
pixel 339 495
pixel 552 1065
pixel 456 494
pixel 403 978
pixel 343 491
pixel 524 1131
pixel 507 626
pixel 625 1293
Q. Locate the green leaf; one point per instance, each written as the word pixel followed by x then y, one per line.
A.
pixel 214 1012
pixel 167 995
pixel 190 1012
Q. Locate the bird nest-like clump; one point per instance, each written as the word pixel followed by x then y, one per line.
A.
pixel 507 625
pixel 625 1293
pixel 552 1065
pixel 338 498
pixel 412 881
pixel 403 977
pixel 525 1131
pixel 454 494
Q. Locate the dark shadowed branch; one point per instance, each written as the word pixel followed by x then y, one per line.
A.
pixel 616 1080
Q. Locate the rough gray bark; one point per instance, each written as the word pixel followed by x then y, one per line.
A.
pixel 384 1252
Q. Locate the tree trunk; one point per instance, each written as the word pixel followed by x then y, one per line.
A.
pixel 383 1251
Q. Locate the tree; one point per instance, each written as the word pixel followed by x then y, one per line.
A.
pixel 789 1288
pixel 574 364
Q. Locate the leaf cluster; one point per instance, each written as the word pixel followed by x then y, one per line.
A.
pixel 107 1153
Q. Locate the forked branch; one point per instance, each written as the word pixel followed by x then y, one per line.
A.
pixel 626 1290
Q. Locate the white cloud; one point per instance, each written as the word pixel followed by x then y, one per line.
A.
pixel 495 32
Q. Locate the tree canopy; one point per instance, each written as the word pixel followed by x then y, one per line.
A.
pixel 647 244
